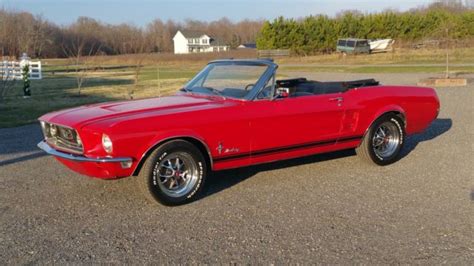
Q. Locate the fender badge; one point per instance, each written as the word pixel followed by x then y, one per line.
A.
pixel 219 148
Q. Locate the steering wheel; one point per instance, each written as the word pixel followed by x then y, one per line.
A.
pixel 249 85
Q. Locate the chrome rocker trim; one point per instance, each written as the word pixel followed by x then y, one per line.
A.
pixel 49 150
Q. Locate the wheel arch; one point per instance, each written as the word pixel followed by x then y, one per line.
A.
pixel 198 143
pixel 397 111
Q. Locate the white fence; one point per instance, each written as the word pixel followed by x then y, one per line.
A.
pixel 12 70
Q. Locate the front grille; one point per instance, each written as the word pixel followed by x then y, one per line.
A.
pixel 61 137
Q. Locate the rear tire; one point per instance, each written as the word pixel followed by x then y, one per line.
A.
pixel 173 174
pixel 384 140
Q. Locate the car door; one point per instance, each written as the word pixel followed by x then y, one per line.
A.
pixel 295 123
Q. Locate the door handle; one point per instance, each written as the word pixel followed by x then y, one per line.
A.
pixel 339 100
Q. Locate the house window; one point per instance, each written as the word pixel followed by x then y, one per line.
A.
pixel 190 40
pixel 204 41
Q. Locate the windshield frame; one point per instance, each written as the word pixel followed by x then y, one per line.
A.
pixel 252 94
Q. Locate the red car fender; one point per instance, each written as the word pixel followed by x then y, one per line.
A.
pixel 383 111
pixel 166 136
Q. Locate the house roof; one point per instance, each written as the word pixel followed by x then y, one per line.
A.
pixel 192 33
pixel 217 42
pixel 197 34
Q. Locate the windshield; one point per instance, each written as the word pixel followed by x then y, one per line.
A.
pixel 228 80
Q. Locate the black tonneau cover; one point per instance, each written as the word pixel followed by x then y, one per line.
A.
pixel 302 86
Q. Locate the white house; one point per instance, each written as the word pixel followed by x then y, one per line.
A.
pixel 186 42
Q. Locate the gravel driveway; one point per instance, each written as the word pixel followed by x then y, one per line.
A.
pixel 322 209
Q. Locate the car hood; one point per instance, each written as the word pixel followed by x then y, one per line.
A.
pixel 83 115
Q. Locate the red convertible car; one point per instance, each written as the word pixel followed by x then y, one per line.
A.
pixel 234 113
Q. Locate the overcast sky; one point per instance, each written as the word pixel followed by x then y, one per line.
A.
pixel 140 12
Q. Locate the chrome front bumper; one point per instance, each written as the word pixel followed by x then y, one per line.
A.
pixel 79 158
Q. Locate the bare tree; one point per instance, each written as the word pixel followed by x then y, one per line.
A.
pixel 39 36
pixel 137 45
pixel 79 45
pixel 25 22
pixel 154 34
pixel 3 21
pixel 8 28
pixel 24 32
pixel 80 63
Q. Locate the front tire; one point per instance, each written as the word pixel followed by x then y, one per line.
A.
pixel 384 140
pixel 173 174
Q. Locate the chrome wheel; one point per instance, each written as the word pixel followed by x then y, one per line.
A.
pixel 386 140
pixel 176 174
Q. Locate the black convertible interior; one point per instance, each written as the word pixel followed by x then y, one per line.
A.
pixel 303 87
pixel 297 87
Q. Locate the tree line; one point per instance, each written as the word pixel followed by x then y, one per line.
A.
pixel 452 19
pixel 24 32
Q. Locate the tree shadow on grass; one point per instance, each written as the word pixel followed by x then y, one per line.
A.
pixel 72 69
pixel 67 83
pixel 219 181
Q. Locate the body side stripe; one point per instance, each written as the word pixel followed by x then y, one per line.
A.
pixel 284 149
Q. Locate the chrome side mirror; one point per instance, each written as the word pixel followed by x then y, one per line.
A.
pixel 282 93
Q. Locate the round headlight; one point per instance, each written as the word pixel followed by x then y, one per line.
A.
pixel 107 143
pixel 53 130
